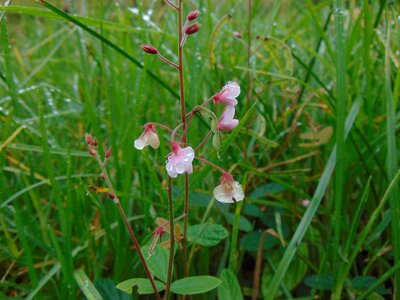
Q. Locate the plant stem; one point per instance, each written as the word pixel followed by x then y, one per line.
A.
pixel 184 140
pixel 211 164
pixel 203 141
pixel 128 226
pixel 171 240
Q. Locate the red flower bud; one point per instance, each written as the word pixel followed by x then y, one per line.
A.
pixel 193 15
pixel 192 29
pixel 149 49
pixel 108 153
pixel 102 176
pixel 88 139
pixel 111 196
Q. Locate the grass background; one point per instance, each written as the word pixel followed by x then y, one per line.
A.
pixel 58 82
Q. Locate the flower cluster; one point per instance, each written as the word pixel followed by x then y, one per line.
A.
pixel 180 160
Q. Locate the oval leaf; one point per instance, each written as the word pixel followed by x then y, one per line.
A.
pixel 195 285
pixel 143 284
pixel 158 262
pixel 230 288
pixel 206 234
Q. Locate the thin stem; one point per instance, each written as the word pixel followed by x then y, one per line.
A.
pixel 184 140
pixel 203 141
pixel 167 61
pixel 250 4
pixel 128 226
pixel 171 240
pixel 171 4
pixel 175 130
pixel 211 164
pixel 160 125
pixel 187 126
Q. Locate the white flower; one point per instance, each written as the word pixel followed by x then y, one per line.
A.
pixel 148 137
pixel 227 95
pixel 180 160
pixel 228 190
pixel 227 122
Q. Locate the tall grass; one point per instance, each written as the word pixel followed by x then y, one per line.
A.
pixel 311 65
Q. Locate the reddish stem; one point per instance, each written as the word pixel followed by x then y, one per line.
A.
pixel 167 61
pixel 211 164
pixel 203 141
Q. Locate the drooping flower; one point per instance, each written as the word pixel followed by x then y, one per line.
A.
pixel 180 160
pixel 148 137
pixel 227 122
pixel 228 190
pixel 228 94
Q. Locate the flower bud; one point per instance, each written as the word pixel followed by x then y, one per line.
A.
pixel 102 176
pixel 92 152
pixel 111 196
pixel 149 49
pixel 237 34
pixel 192 29
pixel 108 153
pixel 193 15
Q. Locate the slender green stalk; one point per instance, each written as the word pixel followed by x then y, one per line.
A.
pixel 171 240
pixel 392 164
pixel 340 133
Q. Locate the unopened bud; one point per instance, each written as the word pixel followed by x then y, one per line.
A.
pixel 88 139
pixel 193 15
pixel 192 29
pixel 108 153
pixel 102 176
pixel 92 152
pixel 111 196
pixel 149 49
pixel 237 34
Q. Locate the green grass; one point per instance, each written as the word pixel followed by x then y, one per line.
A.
pixel 323 64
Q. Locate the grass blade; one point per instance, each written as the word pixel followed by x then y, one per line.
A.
pixel 392 166
pixel 108 43
pixel 310 212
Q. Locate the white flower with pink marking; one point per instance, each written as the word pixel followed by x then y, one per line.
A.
pixel 227 122
pixel 228 94
pixel 148 137
pixel 228 190
pixel 180 160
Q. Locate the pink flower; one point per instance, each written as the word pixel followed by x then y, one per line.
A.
pixel 227 95
pixel 228 190
pixel 180 160
pixel 148 137
pixel 227 122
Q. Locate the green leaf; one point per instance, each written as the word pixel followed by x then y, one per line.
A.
pixel 362 283
pixel 195 285
pixel 158 262
pixel 294 275
pixel 143 284
pixel 86 286
pixel 270 188
pixel 244 223
pixel 323 282
pixel 230 288
pixel 250 241
pixel 206 234
pixel 108 290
